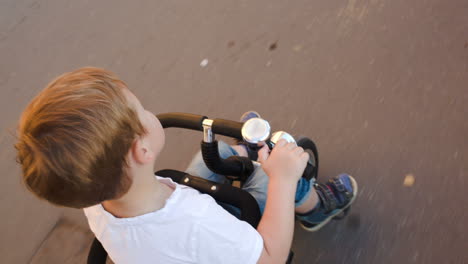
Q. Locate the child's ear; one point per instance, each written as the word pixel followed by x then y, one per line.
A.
pixel 141 152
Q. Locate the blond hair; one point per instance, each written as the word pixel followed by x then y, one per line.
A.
pixel 73 139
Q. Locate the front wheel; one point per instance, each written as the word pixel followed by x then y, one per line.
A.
pixel 311 170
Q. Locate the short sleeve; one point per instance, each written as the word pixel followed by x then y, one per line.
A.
pixel 222 238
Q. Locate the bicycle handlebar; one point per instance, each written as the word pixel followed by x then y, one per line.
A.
pixel 182 120
pixel 235 167
pixel 195 122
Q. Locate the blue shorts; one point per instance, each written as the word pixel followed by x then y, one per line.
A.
pixel 256 184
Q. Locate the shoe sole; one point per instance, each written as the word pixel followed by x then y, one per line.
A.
pixel 324 222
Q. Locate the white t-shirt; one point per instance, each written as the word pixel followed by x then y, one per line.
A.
pixel 190 228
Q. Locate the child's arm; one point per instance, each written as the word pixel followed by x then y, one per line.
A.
pixel 284 168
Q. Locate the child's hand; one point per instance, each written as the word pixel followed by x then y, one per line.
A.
pixel 286 161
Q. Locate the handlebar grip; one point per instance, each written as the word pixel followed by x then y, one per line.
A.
pixel 182 120
pixel 227 128
pixel 195 122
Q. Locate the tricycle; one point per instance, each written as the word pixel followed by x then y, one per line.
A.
pixel 252 133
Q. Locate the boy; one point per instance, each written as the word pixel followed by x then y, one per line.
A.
pixel 86 142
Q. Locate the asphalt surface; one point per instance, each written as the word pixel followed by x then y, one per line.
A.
pixel 380 85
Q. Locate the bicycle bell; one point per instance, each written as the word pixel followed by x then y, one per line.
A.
pixel 255 130
pixel 281 135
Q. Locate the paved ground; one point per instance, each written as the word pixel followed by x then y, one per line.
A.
pixel 380 85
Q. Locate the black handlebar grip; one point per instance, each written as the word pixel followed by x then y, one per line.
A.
pixel 182 120
pixel 227 128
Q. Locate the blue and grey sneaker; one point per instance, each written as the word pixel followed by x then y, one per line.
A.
pixel 335 199
pixel 252 151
